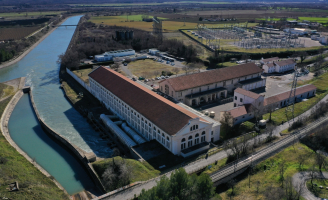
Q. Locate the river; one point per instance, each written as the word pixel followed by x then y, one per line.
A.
pixel 41 70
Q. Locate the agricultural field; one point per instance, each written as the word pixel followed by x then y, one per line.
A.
pixel 135 21
pixel 145 4
pixel 28 14
pixel 149 68
pixel 16 33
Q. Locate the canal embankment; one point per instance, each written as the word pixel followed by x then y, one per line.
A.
pixel 82 156
pixel 29 49
pixel 5 132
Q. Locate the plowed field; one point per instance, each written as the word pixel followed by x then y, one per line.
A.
pixel 16 33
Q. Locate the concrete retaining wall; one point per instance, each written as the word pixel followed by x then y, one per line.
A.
pixel 85 85
pixel 79 153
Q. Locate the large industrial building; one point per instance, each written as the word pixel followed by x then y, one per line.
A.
pixel 152 116
pixel 107 56
pixel 212 85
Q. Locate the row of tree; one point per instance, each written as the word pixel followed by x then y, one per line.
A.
pixel 180 186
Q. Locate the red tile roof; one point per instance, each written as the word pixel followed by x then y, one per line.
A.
pixel 168 116
pixel 285 95
pixel 285 62
pixel 237 112
pixel 247 93
pixel 212 76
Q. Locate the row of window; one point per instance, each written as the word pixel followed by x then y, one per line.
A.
pixel 191 141
pixel 224 83
pixel 133 118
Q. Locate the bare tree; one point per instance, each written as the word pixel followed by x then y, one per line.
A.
pixel 301 54
pixel 292 193
pixel 186 69
pixel 274 193
pixel 115 66
pixel 198 66
pixel 250 173
pixel 226 119
pixel 258 184
pixel 269 130
pixel 231 184
pixel 258 112
pixel 282 168
pixel 301 158
pixel 271 106
pixel 320 160
pixel 313 174
pixel 176 70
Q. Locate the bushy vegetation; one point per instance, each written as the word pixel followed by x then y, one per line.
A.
pixel 117 172
pixel 180 186
pixel 271 179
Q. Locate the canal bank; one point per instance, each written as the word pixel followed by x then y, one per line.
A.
pixel 5 132
pixel 81 155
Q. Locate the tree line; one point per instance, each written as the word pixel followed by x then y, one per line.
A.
pixel 180 186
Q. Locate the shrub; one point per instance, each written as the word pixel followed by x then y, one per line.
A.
pixel 3 160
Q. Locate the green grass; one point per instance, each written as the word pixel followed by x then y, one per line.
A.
pixel 267 172
pixel 23 14
pixel 322 90
pixel 141 171
pixel 300 19
pixel 33 184
pixel 228 64
pixel 321 193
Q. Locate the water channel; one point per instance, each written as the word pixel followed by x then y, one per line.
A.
pixel 41 70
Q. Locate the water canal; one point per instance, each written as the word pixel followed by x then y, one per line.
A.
pixel 41 72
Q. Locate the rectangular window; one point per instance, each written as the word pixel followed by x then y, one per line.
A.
pixel 241 99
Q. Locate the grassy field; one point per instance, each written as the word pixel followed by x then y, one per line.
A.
pixel 267 173
pixel 168 26
pixel 83 74
pixel 322 90
pixel 33 184
pixel 23 14
pixel 322 193
pixel 149 68
pixel 141 171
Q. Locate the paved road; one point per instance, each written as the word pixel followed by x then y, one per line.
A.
pixel 301 178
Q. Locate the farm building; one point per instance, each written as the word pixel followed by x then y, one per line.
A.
pixel 152 116
pixel 279 66
pixel 297 31
pixel 112 54
pixel 246 102
pixel 323 39
pixel 213 85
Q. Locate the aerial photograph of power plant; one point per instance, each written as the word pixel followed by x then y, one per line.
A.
pixel 163 100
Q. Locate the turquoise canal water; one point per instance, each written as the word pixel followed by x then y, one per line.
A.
pixel 41 70
pixel 26 131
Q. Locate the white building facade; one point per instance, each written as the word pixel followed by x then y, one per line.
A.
pixel 279 66
pixel 190 133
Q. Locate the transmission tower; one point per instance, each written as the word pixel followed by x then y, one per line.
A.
pixel 291 100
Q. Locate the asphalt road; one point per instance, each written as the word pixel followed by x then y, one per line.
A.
pixel 300 179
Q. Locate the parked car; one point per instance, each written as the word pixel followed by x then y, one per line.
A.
pixel 167 62
pixel 152 79
pixel 162 77
pixel 167 76
pixel 157 78
pixel 134 79
pixel 172 64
